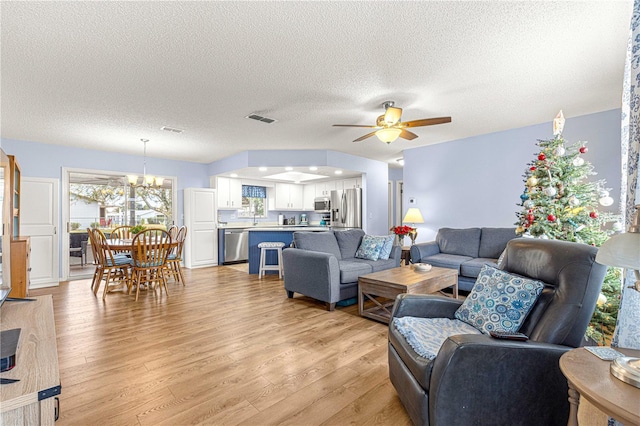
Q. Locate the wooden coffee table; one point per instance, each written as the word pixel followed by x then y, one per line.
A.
pixel 392 282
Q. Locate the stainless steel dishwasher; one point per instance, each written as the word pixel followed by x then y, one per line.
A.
pixel 236 245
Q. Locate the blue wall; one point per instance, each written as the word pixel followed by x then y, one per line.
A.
pixel 477 181
pixel 46 161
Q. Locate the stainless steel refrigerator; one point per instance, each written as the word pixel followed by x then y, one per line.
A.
pixel 346 208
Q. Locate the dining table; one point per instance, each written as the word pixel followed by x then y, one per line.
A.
pixel 126 245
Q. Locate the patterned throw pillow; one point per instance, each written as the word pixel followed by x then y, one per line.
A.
pixel 387 246
pixel 369 248
pixel 499 301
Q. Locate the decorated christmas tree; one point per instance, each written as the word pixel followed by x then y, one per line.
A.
pixel 559 202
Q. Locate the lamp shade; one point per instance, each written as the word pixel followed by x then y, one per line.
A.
pixel 621 250
pixel 389 134
pixel 413 216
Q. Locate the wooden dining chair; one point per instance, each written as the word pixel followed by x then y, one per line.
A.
pixel 96 261
pixel 149 253
pixel 116 266
pixel 175 256
pixel 173 232
pixel 121 233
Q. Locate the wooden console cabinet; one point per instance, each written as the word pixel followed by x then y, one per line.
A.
pixel 32 400
pixel 20 266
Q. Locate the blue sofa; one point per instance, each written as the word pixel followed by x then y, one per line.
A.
pixel 322 265
pixel 465 250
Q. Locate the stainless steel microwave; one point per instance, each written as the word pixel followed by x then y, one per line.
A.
pixel 322 205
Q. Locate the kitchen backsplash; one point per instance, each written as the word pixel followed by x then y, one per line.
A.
pixel 230 217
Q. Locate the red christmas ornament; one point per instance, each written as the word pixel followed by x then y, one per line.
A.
pixel 551 218
pixel 583 149
pixel 532 168
pixel 530 218
pixel 542 157
pixel 593 215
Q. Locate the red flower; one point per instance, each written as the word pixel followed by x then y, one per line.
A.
pixel 402 230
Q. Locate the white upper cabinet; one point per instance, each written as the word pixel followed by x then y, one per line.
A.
pixel 229 193
pixel 323 189
pixel 289 196
pixel 351 183
pixel 308 196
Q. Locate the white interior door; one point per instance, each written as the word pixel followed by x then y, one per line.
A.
pixel 39 220
pixel 201 245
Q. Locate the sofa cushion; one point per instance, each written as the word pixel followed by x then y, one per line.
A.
pixel 387 246
pixel 464 242
pixel 452 261
pixel 377 265
pixel 499 301
pixel 472 268
pixel 494 240
pixel 369 248
pixel 324 242
pixel 349 241
pixel 351 269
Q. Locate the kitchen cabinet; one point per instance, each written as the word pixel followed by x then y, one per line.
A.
pixel 323 189
pixel 308 196
pixel 289 196
pixel 229 193
pixel 351 183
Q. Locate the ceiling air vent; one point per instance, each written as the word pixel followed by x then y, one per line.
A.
pixel 172 129
pixel 261 118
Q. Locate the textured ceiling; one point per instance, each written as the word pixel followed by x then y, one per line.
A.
pixel 105 74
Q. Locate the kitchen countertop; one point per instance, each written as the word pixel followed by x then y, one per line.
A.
pixel 288 228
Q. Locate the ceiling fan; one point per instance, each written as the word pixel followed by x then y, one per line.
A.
pixel 389 127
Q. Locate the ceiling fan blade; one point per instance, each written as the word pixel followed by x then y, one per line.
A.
pixel 355 125
pixel 426 122
pixel 368 135
pixel 392 115
pixel 405 134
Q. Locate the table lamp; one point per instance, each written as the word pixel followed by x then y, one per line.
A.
pixel 413 216
pixel 623 251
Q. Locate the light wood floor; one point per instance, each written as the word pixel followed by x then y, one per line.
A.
pixel 226 349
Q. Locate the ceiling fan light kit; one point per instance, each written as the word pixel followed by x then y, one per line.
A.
pixel 391 128
pixel 389 134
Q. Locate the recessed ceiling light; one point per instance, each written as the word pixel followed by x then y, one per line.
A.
pixel 400 161
pixel 263 169
pixel 233 175
pixel 313 168
pixel 288 168
pixel 338 172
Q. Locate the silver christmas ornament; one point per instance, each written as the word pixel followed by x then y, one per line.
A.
pixel 606 201
pixel 559 151
pixel 578 161
pixel 550 191
pixel 573 201
pixel 528 204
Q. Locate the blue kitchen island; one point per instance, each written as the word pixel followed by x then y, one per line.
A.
pixel 282 234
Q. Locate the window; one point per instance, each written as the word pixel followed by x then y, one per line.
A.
pixel 254 201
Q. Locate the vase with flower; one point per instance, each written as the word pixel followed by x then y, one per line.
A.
pixel 401 231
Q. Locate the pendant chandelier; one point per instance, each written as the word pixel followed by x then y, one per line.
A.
pixel 148 181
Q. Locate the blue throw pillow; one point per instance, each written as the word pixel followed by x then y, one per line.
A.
pixel 387 246
pixel 499 301
pixel 369 248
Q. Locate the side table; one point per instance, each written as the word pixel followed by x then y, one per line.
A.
pixel 406 255
pixel 589 377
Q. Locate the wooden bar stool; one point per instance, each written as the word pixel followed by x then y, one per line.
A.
pixel 264 246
